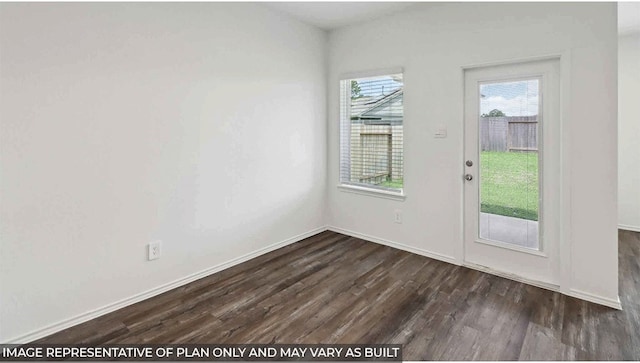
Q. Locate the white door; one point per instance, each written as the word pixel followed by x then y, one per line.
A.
pixel 512 170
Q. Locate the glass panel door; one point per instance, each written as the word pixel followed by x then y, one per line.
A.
pixel 512 169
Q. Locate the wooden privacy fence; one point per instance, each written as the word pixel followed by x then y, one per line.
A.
pixel 376 153
pixel 509 133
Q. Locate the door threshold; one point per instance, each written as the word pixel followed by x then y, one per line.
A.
pixel 514 277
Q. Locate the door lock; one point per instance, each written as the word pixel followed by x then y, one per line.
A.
pixel 469 163
pixel 468 177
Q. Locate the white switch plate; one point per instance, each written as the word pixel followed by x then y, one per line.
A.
pixel 441 132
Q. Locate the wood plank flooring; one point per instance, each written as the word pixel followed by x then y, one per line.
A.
pixel 332 288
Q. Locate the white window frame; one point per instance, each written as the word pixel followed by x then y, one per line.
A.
pixel 356 188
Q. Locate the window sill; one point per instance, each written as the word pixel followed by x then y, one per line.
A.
pixel 372 192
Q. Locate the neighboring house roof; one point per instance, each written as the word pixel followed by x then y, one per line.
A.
pixel 385 108
pixel 533 118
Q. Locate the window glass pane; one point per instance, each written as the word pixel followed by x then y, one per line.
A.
pixel 509 176
pixel 372 112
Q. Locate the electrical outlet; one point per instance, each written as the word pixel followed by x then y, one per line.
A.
pixel 397 216
pixel 154 249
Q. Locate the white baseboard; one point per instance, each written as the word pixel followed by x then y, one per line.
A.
pixel 629 228
pixel 612 303
pixel 400 246
pixel 67 323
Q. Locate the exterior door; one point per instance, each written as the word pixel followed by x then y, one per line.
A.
pixel 512 170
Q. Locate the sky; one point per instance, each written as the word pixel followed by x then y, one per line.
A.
pixel 519 98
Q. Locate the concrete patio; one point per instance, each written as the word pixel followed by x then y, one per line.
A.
pixel 521 232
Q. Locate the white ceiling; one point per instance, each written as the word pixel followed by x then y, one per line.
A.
pixel 628 17
pixel 332 15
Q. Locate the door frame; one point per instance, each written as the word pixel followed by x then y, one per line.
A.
pixel 564 178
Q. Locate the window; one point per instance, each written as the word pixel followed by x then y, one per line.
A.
pixel 371 118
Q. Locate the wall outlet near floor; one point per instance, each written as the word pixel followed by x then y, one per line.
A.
pixel 397 216
pixel 154 250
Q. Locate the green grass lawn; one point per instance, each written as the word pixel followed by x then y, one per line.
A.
pixel 509 184
pixel 397 184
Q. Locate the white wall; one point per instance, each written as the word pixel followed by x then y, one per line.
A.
pixel 629 131
pixel 202 125
pixel 433 42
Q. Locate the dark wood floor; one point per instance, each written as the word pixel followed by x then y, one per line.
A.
pixel 331 288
